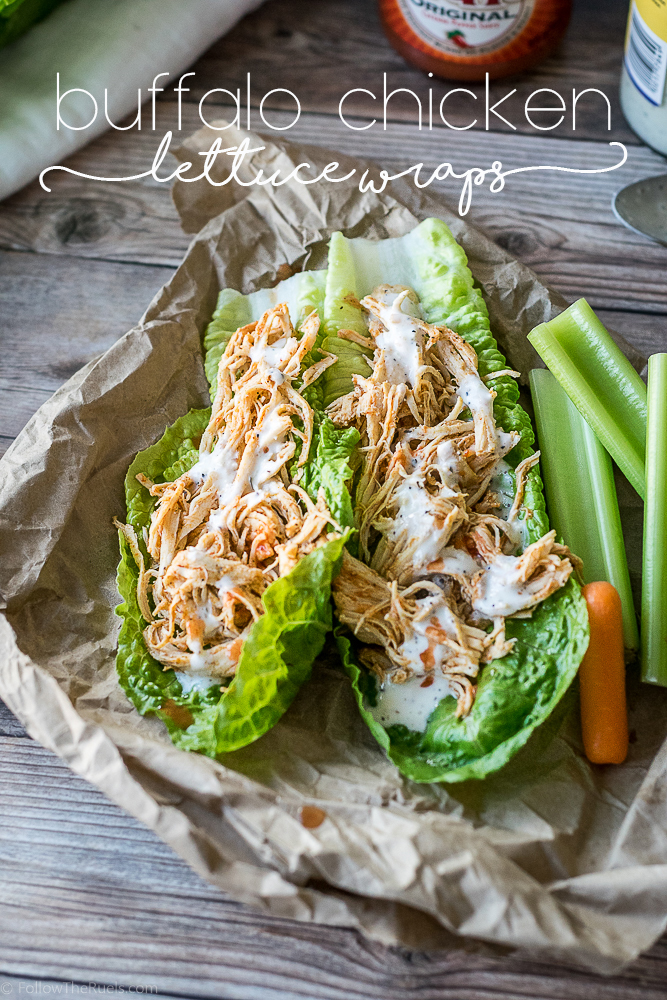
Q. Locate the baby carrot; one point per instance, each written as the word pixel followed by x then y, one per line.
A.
pixel 604 718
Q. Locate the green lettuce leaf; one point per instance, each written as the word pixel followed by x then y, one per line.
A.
pixel 303 292
pixel 280 649
pixel 17 16
pixel 449 297
pixel 519 692
pixel 276 660
pixel 515 695
pixel 330 470
pixel 341 313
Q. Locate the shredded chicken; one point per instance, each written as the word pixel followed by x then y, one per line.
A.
pixel 234 522
pixel 439 571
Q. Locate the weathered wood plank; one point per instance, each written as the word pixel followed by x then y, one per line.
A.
pixel 89 894
pixel 58 313
pixel 9 724
pixel 321 50
pixel 559 223
pixel 647 332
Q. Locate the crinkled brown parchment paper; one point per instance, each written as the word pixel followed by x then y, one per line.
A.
pixel 550 856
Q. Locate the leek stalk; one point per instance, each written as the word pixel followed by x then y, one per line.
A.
pixel 654 570
pixel 580 492
pixel 601 383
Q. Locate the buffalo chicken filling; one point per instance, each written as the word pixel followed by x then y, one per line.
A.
pixel 234 522
pixel 440 570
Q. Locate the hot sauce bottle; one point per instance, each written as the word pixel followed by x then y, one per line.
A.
pixel 465 39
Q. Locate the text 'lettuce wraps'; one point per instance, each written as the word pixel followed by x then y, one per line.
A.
pixel 464 625
pixel 235 527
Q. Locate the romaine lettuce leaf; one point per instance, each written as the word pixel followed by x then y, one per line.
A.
pixel 340 313
pixel 330 470
pixel 514 696
pixel 279 652
pixel 517 693
pixel 276 660
pixel 16 16
pixel 303 292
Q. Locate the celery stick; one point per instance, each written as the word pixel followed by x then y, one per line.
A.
pixel 580 492
pixel 601 383
pixel 654 569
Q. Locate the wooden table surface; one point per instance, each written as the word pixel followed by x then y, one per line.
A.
pixel 86 892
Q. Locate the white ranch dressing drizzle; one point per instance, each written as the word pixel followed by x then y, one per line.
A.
pixel 479 400
pixel 409 704
pixel 222 467
pixel 433 612
pixel 271 440
pixel 274 355
pixel 210 621
pixel 501 592
pixel 449 466
pixel 402 341
pixel 476 396
pixel 201 658
pixel 506 440
pixel 257 477
pixel 194 682
pixel 225 584
pixel 220 463
pixel 416 519
pixel 456 562
pixel 199 661
pixel 416 516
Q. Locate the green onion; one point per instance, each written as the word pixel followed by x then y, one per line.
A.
pixel 580 492
pixel 654 570
pixel 601 383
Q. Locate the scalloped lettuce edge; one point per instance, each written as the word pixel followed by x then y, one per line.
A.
pixel 277 655
pixel 515 696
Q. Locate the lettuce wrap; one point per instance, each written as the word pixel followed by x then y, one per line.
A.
pixel 226 569
pixel 462 624
pixel 456 726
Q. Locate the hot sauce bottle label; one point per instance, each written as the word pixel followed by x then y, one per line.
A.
pixel 466 27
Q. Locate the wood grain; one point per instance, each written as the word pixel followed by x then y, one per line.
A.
pixel 89 893
pixel 559 223
pixel 86 892
pixel 321 50
pixel 59 313
pixel 9 724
